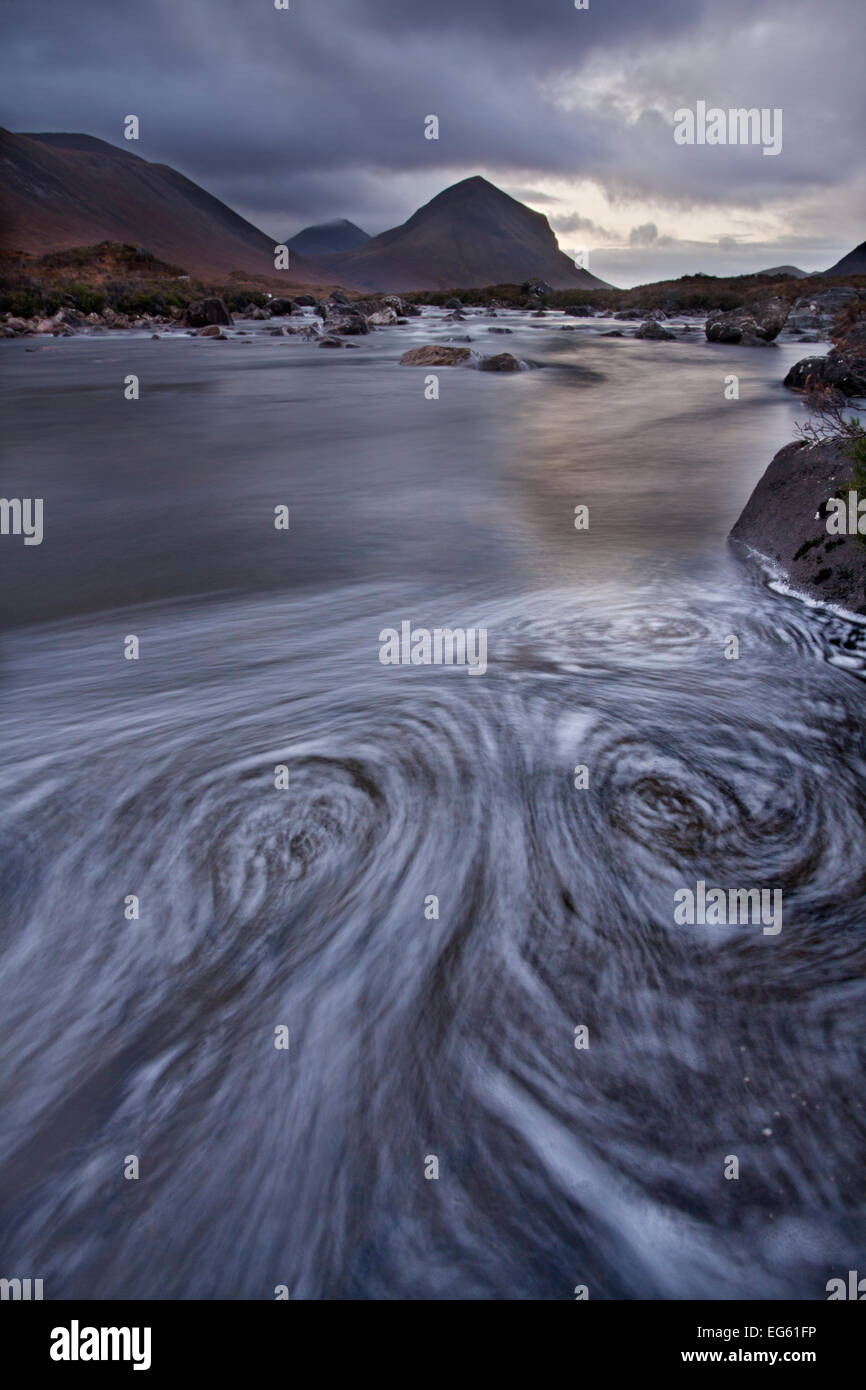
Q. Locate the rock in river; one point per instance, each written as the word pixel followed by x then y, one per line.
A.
pixel 502 362
pixel 206 311
pixel 753 326
pixel 653 329
pixel 786 521
pixel 435 355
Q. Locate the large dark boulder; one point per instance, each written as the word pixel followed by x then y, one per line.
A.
pixel 280 307
pixel 785 523
pixel 203 312
pixel 818 373
pixel 753 326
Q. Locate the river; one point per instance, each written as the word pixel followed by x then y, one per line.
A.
pixel 306 907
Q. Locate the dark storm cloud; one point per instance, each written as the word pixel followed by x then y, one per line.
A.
pixel 294 116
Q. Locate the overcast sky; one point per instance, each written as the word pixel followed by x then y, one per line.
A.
pixel 317 112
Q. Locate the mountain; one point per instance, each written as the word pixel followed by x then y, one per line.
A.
pixel 852 264
pixel 470 235
pixel 63 190
pixel 792 270
pixel 325 238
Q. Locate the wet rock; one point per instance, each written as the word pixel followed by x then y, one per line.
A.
pixel 785 521
pixel 350 321
pixel 613 333
pixel 72 317
pixel 817 311
pixel 751 326
pixel 383 317
pixel 653 329
pixel 305 301
pixel 435 355
pixel 453 303
pixel 817 373
pixel 203 312
pixel 402 307
pixel 502 362
pixel 340 317
pixel 213 330
pixel 280 307
pixel 499 330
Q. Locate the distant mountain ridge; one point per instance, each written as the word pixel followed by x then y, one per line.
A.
pixel 472 234
pixel 328 238
pixel 64 190
pixel 793 270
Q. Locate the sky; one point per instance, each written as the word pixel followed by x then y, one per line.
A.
pixel 301 115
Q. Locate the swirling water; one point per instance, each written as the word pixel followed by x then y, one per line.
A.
pixel 304 906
